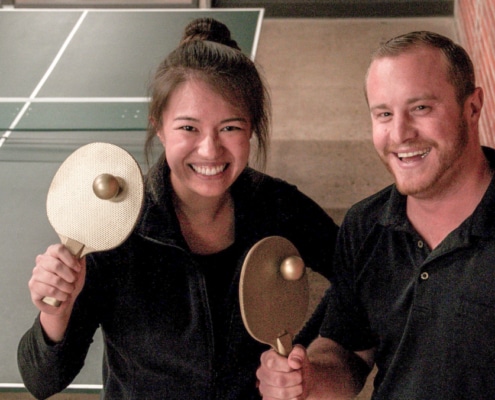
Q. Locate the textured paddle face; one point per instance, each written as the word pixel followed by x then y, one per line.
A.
pixel 95 198
pixel 274 293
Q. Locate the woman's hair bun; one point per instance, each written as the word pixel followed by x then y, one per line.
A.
pixel 208 29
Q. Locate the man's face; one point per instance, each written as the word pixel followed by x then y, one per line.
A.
pixel 419 130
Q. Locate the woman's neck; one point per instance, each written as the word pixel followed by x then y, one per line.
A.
pixel 207 224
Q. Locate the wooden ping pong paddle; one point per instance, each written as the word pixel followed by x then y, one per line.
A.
pixel 95 199
pixel 274 293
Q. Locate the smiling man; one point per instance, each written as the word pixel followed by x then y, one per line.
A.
pixel 414 292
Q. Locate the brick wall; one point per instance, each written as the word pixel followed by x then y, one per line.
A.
pixel 475 21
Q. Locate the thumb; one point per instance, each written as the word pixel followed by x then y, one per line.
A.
pixel 297 357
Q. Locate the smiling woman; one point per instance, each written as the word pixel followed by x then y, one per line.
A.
pixel 206 142
pixel 167 298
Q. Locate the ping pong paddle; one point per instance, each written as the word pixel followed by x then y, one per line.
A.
pixel 95 199
pixel 274 293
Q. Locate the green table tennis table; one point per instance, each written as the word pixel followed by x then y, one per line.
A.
pixel 69 77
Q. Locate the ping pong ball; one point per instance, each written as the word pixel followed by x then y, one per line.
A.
pixel 292 268
pixel 106 186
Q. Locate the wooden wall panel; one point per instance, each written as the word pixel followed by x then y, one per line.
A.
pixel 475 21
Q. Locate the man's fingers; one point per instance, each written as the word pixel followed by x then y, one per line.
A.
pixel 277 379
pixel 274 361
pixel 297 357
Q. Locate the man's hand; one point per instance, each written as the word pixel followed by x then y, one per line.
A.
pixel 284 378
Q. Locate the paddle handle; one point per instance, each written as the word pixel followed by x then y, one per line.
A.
pixel 284 344
pixel 76 249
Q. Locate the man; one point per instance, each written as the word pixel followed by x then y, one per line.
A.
pixel 414 292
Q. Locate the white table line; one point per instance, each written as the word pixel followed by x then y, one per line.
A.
pixel 38 87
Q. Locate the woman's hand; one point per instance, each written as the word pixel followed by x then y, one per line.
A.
pixel 59 275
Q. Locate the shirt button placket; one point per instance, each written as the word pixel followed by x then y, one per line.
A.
pixel 424 275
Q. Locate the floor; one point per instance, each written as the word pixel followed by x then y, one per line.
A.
pixel 321 131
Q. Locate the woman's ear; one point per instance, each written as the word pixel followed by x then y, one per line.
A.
pixel 152 122
pixel 157 128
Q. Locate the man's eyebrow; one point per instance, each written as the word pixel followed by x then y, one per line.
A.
pixel 412 100
pixel 382 106
pixel 421 98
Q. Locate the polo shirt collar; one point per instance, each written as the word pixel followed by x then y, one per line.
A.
pixel 394 210
pixel 484 215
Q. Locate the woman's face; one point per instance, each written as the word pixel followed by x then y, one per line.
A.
pixel 206 140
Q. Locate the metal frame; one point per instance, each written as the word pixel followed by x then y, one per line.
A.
pixel 109 3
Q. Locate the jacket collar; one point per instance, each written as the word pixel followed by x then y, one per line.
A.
pixel 159 221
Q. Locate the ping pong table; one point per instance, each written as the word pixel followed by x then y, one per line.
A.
pixel 71 77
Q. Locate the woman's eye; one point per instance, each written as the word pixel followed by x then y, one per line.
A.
pixel 188 128
pixel 231 128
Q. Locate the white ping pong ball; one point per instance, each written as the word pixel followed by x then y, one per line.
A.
pixel 292 268
pixel 106 186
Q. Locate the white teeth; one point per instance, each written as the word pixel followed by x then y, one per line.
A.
pixel 422 153
pixel 208 171
pixel 425 154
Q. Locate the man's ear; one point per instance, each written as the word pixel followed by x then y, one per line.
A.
pixel 475 104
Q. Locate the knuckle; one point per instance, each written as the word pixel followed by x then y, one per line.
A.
pixel 51 291
pixel 280 381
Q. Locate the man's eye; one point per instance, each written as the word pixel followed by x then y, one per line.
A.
pixel 384 114
pixel 422 109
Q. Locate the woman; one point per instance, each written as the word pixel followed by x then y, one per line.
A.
pixel 166 300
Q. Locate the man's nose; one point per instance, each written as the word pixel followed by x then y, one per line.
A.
pixel 403 128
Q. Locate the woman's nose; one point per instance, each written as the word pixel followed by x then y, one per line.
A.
pixel 209 146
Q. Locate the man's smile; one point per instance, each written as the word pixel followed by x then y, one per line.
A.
pixel 413 155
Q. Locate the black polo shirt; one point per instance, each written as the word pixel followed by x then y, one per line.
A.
pixel 430 314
